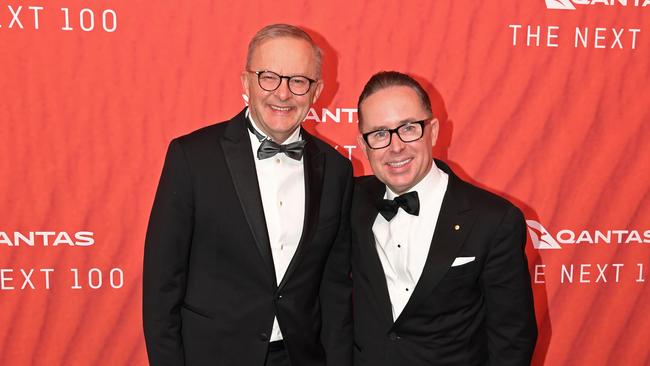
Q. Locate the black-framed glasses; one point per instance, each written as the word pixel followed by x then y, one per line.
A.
pixel 270 81
pixel 407 132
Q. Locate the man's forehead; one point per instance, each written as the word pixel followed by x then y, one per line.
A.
pixel 282 45
pixel 391 107
pixel 285 53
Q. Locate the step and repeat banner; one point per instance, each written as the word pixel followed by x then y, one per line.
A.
pixel 546 102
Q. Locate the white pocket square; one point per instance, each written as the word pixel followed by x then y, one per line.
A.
pixel 459 261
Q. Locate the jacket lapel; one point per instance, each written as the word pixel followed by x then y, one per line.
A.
pixel 454 223
pixel 239 158
pixel 374 191
pixel 314 166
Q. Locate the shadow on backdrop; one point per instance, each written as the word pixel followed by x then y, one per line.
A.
pixel 440 151
pixel 329 75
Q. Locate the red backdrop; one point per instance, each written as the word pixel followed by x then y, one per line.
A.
pixel 548 107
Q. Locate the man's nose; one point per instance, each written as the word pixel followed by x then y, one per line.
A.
pixel 283 91
pixel 396 143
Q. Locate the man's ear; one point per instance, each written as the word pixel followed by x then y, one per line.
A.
pixel 319 88
pixel 244 83
pixel 362 143
pixel 435 126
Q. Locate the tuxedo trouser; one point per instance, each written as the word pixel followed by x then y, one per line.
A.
pixel 277 355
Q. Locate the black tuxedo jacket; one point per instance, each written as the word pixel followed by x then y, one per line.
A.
pixel 479 313
pixel 209 287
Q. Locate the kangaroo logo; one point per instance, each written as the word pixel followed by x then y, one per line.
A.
pixel 542 239
pixel 560 4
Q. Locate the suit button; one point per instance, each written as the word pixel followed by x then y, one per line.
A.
pixel 264 337
pixel 279 297
pixel 394 337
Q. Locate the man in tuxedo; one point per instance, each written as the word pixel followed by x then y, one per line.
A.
pixel 438 265
pixel 247 250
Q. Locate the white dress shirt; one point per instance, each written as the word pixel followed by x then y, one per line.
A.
pixel 282 187
pixel 403 243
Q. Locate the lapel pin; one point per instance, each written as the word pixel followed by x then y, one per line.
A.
pixel 457 227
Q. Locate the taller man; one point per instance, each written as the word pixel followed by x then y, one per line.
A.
pixel 247 250
pixel 440 274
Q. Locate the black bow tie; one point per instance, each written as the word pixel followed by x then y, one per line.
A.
pixel 409 202
pixel 269 148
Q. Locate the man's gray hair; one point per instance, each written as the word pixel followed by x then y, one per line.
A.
pixel 279 31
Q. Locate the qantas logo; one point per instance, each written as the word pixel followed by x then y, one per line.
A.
pixel 560 4
pixel 542 239
pixel 571 4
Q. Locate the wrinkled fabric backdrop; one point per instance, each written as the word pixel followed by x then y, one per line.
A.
pixel 544 102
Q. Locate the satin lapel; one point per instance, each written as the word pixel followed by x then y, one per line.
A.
pixel 239 158
pixel 314 166
pixel 454 223
pixel 368 212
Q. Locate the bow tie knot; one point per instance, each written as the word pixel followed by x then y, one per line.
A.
pixel 409 202
pixel 269 149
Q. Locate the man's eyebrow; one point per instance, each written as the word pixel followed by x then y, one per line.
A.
pixel 408 120
pixel 399 123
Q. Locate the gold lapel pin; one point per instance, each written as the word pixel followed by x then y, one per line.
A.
pixel 457 227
